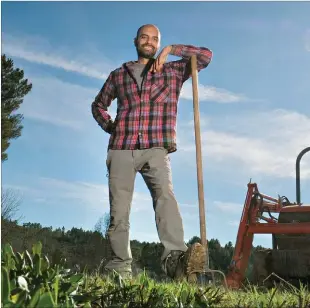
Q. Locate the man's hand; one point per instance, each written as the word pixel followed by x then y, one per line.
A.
pixel 157 66
pixel 111 127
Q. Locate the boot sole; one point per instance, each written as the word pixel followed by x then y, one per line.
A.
pixel 196 259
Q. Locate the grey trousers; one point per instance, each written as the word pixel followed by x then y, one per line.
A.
pixel 154 166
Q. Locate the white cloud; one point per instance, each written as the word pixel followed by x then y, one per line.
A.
pixel 228 207
pixel 263 235
pixel 91 195
pixel 212 94
pixel 37 50
pixel 142 202
pixel 234 223
pixel 260 143
pixel 204 121
pixel 57 102
pixel 55 191
pixel 307 40
pixel 60 103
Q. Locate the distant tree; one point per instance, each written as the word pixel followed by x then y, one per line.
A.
pixel 150 257
pixel 102 225
pixel 33 225
pixel 98 225
pixel 193 240
pixel 13 89
pixel 10 202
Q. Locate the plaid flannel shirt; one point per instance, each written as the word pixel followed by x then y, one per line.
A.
pixel 146 118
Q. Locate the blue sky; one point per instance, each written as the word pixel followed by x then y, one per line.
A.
pixel 254 105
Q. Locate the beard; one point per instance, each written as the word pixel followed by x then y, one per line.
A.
pixel 147 54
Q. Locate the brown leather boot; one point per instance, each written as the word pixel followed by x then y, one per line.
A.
pixel 179 265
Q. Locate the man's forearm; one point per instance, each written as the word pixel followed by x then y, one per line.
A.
pixel 186 51
pixel 102 117
pixel 101 103
pixel 204 55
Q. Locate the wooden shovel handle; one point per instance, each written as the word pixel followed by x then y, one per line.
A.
pixel 202 218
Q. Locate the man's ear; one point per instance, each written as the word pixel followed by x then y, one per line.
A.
pixel 135 41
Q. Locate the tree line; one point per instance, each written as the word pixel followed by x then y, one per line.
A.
pixel 90 250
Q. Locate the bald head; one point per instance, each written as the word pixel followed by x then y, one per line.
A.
pixel 147 41
pixel 147 26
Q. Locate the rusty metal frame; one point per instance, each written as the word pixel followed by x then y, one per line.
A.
pixel 254 207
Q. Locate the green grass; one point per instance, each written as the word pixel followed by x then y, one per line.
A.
pixel 145 292
pixel 28 280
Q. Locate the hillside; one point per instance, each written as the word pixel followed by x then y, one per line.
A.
pixel 90 250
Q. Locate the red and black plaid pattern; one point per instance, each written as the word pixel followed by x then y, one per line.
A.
pixel 146 118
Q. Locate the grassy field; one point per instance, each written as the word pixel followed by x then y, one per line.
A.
pixel 145 292
pixel 28 280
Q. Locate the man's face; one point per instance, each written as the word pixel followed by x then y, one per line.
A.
pixel 148 42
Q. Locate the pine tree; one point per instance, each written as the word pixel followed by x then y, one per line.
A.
pixel 13 89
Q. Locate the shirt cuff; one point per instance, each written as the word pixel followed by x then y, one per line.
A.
pixel 176 50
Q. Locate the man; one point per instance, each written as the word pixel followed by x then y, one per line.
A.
pixel 142 136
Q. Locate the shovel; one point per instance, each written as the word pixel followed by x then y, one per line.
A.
pixel 202 218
